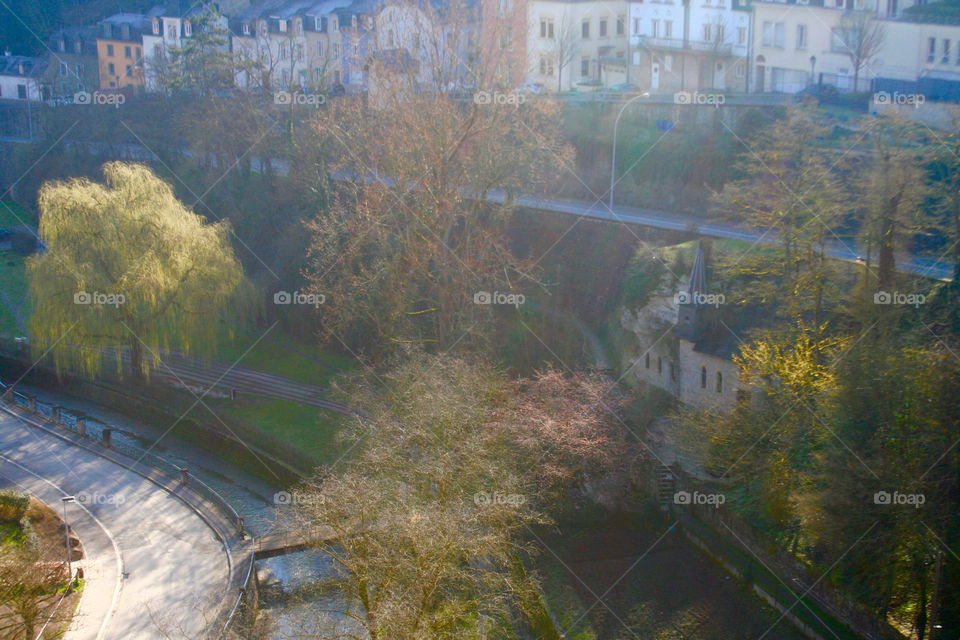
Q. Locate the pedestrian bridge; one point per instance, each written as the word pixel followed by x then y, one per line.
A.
pixel 280 544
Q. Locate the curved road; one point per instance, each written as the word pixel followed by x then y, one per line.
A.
pixel 154 568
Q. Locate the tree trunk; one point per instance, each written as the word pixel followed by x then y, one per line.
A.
pixel 887 264
pixel 920 623
pixel 136 359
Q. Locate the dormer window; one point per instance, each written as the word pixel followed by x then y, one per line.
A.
pixel 187 29
pixel 298 26
pixel 245 28
pixel 282 25
pixel 318 24
pixel 155 26
pixel 62 45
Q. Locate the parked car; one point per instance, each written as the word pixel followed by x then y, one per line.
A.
pixel 622 89
pixel 530 89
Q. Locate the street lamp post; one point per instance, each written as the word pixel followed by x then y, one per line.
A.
pixel 613 152
pixel 66 534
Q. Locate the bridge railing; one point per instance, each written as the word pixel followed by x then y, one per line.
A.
pixel 148 462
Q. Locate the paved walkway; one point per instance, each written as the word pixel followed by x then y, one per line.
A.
pixel 166 570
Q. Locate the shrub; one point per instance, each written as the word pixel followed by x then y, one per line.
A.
pixel 13 506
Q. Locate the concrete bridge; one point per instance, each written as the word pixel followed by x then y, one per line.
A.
pixel 280 544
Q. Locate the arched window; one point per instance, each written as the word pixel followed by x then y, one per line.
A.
pixel 647 360
pixel 719 382
pixel 703 377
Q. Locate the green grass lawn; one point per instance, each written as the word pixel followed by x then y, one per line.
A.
pixel 12 214
pixel 277 353
pixel 309 430
pixel 13 284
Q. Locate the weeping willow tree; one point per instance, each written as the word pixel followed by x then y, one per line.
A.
pixel 126 263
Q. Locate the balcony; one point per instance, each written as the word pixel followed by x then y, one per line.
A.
pixel 677 44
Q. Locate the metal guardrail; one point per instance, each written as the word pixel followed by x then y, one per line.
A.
pixel 81 424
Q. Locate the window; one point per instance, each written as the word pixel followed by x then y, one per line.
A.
pixel 654 28
pixel 891 8
pixel 155 27
pixel 171 31
pixel 647 360
pixel 157 51
pixel 110 50
pixel 801 37
pixel 61 45
pixel 245 29
pixel 621 22
pixel 299 52
pixel 282 51
pixel 129 71
pixel 703 377
pixel 64 69
pixel 503 6
pixel 282 26
pixel 187 29
pixel 336 49
pixel 668 63
pixel 320 49
pixel 707 35
pixel 546 28
pixel 22 91
pixel 721 34
pixel 585 29
pixel 740 70
pixel 858 5
pixel 636 26
pixel 741 35
pixel 668 28
pixel 77 47
pixel 126 52
pixel 546 66
pixel 931 49
pixel 946 52
pixel 585 67
pixel 111 69
pixel 299 27
pixel 79 70
pixel 719 387
pixel 603 27
pixel 263 27
pixel 779 35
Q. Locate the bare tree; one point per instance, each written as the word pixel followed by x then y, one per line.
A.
pixel 861 37
pixel 566 45
pixel 425 522
pixel 31 586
